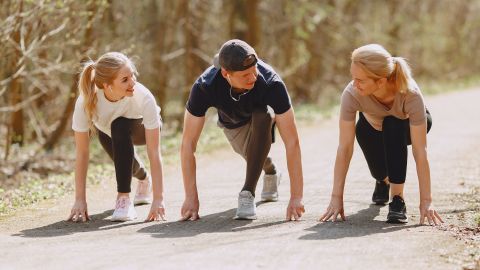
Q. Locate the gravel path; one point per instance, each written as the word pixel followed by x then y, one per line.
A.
pixel 39 238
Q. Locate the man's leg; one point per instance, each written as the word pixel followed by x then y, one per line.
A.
pixel 257 148
pixel 269 166
pixel 252 142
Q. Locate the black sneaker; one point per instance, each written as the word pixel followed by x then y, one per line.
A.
pixel 397 211
pixel 381 193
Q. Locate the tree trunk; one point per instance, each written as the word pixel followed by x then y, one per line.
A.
pixel 68 110
pixel 160 33
pixel 190 45
pixel 253 24
pixel 16 119
pixel 193 64
pixel 244 22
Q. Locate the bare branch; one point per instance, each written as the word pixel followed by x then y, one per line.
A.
pixel 202 55
pixel 22 104
pixel 172 55
pixel 35 125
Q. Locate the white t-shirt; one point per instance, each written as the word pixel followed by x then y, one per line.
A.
pixel 141 105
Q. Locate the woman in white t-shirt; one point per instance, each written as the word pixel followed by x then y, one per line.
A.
pixel 392 115
pixel 123 113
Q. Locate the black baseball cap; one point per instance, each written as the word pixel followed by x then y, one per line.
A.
pixel 235 55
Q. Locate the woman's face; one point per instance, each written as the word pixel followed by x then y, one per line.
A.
pixel 122 85
pixel 363 84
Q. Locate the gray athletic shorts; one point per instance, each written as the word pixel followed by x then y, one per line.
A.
pixel 239 137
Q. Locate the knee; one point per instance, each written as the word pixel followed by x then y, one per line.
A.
pixel 261 116
pixel 391 123
pixel 119 127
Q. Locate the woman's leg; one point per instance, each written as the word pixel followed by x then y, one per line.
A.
pixel 139 170
pixel 396 137
pixel 371 143
pixel 125 133
pixel 138 138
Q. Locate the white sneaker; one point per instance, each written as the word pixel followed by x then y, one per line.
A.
pixel 270 187
pixel 246 206
pixel 144 191
pixel 124 210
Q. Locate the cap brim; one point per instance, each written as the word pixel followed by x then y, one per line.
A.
pixel 216 61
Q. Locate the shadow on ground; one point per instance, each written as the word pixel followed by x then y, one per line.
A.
pixel 359 224
pixel 213 223
pixel 98 222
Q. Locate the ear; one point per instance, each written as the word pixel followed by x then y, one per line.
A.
pixel 381 82
pixel 224 73
pixel 105 86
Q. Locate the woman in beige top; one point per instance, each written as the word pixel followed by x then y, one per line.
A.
pixel 392 115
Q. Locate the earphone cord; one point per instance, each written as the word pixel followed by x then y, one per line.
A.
pixel 239 96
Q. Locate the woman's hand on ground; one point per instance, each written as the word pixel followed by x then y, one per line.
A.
pixel 157 211
pixel 190 209
pixel 79 212
pixel 295 209
pixel 427 211
pixel 334 209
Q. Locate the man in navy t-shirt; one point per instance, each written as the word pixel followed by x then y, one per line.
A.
pixel 251 99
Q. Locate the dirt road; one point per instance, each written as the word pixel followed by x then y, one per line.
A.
pixel 38 238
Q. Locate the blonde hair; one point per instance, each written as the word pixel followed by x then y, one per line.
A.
pixel 98 73
pixel 379 63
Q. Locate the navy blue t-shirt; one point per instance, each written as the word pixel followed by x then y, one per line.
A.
pixel 212 90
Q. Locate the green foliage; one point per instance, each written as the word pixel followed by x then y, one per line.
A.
pixel 477 219
pixel 37 188
pixel 310 112
pixel 33 191
pixel 439 86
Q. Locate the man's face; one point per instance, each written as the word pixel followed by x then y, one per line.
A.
pixel 244 79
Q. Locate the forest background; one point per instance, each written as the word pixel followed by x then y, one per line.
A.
pixel 44 42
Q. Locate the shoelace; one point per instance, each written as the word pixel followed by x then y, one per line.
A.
pixel 246 201
pixel 397 204
pixel 121 203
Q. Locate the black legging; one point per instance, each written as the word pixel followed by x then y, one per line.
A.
pixel 125 133
pixel 386 151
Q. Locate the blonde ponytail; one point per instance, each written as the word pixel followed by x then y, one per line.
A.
pixel 88 91
pixel 402 75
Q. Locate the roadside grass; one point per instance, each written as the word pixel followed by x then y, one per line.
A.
pixel 464 225
pixel 43 181
pixel 29 187
pixel 433 87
